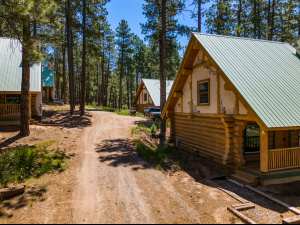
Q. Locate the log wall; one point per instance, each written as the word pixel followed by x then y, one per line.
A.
pixel 140 107
pixel 205 136
pixel 2 99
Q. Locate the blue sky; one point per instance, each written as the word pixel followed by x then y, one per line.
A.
pixel 132 12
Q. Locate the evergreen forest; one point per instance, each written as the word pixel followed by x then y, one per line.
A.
pixel 96 65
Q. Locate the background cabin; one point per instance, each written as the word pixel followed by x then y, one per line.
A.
pixel 10 83
pixel 48 81
pixel 236 101
pixel 148 94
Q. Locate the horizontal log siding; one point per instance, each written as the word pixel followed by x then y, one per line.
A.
pixel 2 99
pixel 201 135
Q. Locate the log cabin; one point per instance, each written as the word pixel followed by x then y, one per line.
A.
pixel 48 81
pixel 236 101
pixel 11 80
pixel 148 94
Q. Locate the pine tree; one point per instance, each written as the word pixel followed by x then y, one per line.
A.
pixel 219 18
pixel 19 15
pixel 124 43
pixel 198 12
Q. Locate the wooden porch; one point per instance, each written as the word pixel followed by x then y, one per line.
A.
pixel 10 110
pixel 277 159
pixel 287 158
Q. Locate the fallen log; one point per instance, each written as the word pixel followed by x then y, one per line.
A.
pixel 6 193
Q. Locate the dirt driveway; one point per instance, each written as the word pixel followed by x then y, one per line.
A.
pixel 113 185
pixel 108 183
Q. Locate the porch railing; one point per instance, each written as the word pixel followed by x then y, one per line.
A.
pixel 286 158
pixel 7 110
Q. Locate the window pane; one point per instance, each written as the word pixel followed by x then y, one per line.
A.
pixel 203 87
pixel 203 93
pixel 203 98
pixel 13 99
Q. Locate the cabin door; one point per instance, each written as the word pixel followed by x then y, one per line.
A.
pixel 281 139
pixel 252 139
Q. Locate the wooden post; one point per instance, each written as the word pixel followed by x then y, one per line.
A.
pixel 29 106
pixel 192 103
pixel 237 106
pixel 218 94
pixel 264 151
pixel 182 104
pixel 48 94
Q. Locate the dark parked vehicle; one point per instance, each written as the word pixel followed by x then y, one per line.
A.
pixel 56 101
pixel 156 116
pixel 153 109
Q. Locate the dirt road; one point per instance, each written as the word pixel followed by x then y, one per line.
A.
pixel 113 185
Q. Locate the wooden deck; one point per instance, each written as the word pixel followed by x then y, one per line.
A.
pixel 10 110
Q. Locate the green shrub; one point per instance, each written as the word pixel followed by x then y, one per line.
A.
pixel 157 156
pixel 160 155
pixel 123 112
pixel 153 129
pixel 124 107
pixel 23 163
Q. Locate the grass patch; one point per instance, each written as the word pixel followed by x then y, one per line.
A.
pixel 23 163
pixel 123 112
pixel 160 155
pixel 142 128
pixel 46 185
pixel 45 144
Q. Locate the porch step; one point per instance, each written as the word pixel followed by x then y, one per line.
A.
pixel 243 180
pixel 247 175
pixel 34 122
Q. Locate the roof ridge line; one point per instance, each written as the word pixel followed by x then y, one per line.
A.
pixel 244 38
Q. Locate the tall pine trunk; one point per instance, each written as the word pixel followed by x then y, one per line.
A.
pixel 57 67
pixel 199 15
pixel 103 81
pixel 83 75
pixel 25 95
pixel 272 18
pixel 70 59
pixel 64 74
pixel 163 64
pixel 120 84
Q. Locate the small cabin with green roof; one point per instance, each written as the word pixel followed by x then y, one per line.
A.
pixel 48 81
pixel 236 101
pixel 11 81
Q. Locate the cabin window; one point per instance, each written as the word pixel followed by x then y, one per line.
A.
pixel 203 92
pixel 145 97
pixel 13 99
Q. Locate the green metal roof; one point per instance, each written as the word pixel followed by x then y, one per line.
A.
pixel 153 87
pixel 266 73
pixel 48 75
pixel 11 67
